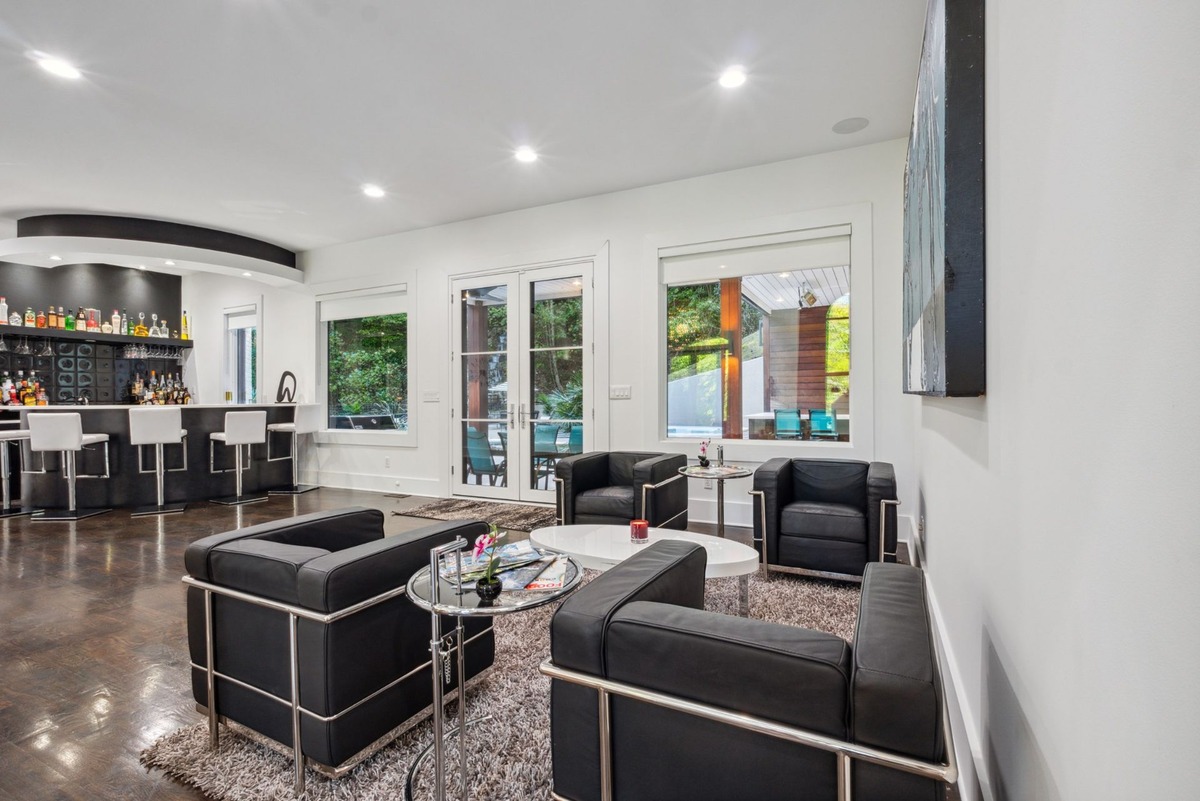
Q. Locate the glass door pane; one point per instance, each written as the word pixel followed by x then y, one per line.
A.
pixel 483 390
pixel 556 385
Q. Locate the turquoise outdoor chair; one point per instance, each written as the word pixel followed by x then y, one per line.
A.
pixel 480 460
pixel 787 424
pixel 822 424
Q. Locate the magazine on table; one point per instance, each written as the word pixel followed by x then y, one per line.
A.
pixel 514 554
pixel 552 577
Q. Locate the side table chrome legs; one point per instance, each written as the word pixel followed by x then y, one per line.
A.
pixel 440 651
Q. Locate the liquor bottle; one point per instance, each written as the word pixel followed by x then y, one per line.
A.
pixel 69 325
pixel 3 311
pixel 30 318
pixel 14 318
pixel 51 318
pixel 124 329
pixel 40 320
pixel 5 386
pixel 185 331
pixel 81 320
pixel 116 322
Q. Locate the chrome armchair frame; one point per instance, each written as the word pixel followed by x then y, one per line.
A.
pixel 846 751
pixel 760 543
pixel 295 614
pixel 558 498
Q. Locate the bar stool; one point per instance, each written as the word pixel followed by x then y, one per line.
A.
pixel 158 426
pixel 63 432
pixel 5 438
pixel 241 429
pixel 305 420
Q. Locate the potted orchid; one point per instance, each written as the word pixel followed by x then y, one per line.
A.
pixel 487 586
pixel 704 452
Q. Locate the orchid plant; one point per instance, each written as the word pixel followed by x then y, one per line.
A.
pixel 485 545
pixel 704 449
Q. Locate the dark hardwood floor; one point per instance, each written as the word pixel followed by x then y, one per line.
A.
pixel 93 649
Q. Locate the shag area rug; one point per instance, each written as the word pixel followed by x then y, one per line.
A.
pixel 509 753
pixel 518 516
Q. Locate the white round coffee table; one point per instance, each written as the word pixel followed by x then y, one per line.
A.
pixel 600 547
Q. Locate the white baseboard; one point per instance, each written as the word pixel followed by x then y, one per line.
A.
pixel 374 483
pixel 973 781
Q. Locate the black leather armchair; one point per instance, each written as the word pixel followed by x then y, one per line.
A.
pixel 826 517
pixel 698 705
pixel 361 647
pixel 618 486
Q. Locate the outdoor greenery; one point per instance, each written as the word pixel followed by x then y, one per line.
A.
pixel 558 374
pixel 837 350
pixel 694 340
pixel 368 366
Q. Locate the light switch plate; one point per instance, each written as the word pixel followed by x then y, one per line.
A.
pixel 620 392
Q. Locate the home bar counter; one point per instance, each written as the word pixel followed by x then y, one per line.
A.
pixel 125 487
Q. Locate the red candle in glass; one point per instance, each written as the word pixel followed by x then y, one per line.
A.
pixel 639 531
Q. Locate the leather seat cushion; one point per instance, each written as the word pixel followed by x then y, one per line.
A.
pixel 606 501
pixel 825 521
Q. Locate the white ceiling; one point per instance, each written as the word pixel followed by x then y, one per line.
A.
pixel 264 117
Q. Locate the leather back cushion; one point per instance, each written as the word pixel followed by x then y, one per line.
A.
pixel 830 481
pixel 259 567
pixel 620 466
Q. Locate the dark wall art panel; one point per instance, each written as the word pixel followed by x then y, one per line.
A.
pixel 944 301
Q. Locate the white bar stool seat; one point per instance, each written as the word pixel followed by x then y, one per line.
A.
pixel 63 432
pixel 158 426
pixel 242 429
pixel 8 436
pixel 306 419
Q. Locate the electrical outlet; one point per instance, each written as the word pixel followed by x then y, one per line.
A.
pixel 387 461
pixel 708 483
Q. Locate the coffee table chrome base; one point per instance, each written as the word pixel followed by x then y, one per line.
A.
pixel 59 515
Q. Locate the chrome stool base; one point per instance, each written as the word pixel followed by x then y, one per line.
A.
pixel 293 489
pixel 17 511
pixel 164 509
pixel 59 515
pixel 238 500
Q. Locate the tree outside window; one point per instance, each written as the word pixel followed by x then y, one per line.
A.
pixel 368 372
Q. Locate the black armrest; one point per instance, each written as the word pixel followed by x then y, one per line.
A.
pixel 783 673
pixel 669 571
pixel 667 501
pixel 881 485
pixel 338 526
pixel 338 580
pixel 774 479
pixel 579 473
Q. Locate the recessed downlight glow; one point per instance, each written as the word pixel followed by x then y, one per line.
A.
pixel 733 77
pixel 371 190
pixel 169 263
pixel 784 275
pixel 526 154
pixel 56 258
pixel 141 266
pixel 246 274
pixel 57 66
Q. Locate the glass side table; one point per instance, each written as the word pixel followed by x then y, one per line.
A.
pixel 444 597
pixel 718 474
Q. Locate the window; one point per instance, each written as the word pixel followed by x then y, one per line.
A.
pixel 366 359
pixel 241 355
pixel 758 342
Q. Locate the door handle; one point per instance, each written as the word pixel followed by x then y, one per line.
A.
pixel 512 416
pixel 523 413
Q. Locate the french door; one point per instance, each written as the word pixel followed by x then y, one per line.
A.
pixel 522 379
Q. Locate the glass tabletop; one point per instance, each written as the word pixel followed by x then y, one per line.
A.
pixel 465 603
pixel 711 472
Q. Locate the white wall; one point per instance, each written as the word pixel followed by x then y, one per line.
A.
pixel 1062 539
pixel 287 339
pixel 627 221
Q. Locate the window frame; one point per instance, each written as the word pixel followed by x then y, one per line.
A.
pixel 395 300
pixel 854 221
pixel 228 367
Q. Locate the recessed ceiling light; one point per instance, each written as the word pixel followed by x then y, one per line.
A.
pixel 784 275
pixel 779 300
pixel 733 77
pixel 371 190
pixel 851 125
pixel 526 154
pixel 169 263
pixel 141 266
pixel 722 267
pixel 56 258
pixel 57 66
pixel 246 274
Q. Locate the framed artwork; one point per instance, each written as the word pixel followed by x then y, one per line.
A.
pixel 944 301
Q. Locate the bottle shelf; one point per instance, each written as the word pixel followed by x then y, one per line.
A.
pixel 14 331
